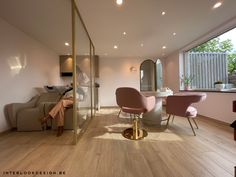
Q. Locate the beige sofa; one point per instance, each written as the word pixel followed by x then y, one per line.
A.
pixel 26 116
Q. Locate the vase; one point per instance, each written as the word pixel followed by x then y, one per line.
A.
pixel 219 86
pixel 186 87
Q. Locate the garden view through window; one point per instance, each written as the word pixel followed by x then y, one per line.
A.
pixel 212 63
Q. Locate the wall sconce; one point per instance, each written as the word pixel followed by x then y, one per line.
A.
pixel 132 69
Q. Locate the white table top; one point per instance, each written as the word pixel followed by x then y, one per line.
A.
pixel 158 94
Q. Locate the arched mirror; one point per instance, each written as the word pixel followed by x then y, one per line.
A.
pixel 147 76
pixel 150 75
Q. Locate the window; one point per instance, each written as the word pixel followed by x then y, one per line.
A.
pixel 211 62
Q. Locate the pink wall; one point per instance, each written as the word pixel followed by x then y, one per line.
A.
pixel 217 105
pixel 24 64
pixel 114 73
pixel 172 72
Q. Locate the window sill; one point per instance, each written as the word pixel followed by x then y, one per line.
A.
pixel 232 90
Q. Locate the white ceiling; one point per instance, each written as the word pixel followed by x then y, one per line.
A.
pixel 50 23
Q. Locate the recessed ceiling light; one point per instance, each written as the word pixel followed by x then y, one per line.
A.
pixel 174 34
pixel 163 13
pixel 141 45
pixel 163 47
pixel 124 33
pixel 218 4
pixel 67 44
pixel 119 2
pixel 115 47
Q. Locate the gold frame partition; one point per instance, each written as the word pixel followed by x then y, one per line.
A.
pixel 74 74
pixel 92 76
pixel 74 12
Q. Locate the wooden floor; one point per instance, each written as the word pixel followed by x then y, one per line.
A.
pixel 103 152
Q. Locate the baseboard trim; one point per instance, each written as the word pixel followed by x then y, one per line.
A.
pixel 107 107
pixel 214 120
pixel 6 132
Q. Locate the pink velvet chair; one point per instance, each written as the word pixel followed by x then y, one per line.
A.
pixel 133 102
pixel 180 105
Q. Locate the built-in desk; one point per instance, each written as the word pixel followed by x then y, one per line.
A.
pixel 154 117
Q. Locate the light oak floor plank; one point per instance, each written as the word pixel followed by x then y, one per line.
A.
pixel 103 152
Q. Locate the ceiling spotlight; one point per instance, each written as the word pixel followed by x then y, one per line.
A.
pixel 67 44
pixel 163 13
pixel 218 4
pixel 124 33
pixel 163 47
pixel 115 47
pixel 119 2
pixel 174 34
pixel 141 45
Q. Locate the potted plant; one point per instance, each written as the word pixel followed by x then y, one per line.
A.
pixel 219 85
pixel 186 80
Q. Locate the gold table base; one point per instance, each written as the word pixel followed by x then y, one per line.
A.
pixel 129 134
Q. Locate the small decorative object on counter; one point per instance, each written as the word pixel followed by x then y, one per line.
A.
pixel 219 85
pixel 186 80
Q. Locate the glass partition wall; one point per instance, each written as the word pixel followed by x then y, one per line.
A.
pixel 58 26
pixel 83 74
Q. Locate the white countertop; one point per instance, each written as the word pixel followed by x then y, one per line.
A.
pixel 158 94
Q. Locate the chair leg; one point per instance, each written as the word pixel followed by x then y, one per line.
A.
pixel 173 118
pixel 119 114
pixel 168 121
pixel 195 123
pixel 191 126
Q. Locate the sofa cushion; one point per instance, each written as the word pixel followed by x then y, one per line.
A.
pixel 48 97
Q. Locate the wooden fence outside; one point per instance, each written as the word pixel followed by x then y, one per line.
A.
pixel 206 68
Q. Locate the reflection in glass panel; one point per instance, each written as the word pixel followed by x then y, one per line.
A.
pixel 158 74
pixel 83 69
pixel 147 76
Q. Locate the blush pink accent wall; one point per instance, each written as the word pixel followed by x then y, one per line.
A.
pixel 24 64
pixel 114 73
pixel 217 105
